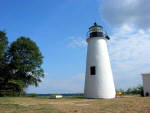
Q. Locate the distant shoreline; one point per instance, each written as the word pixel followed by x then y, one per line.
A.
pixel 63 94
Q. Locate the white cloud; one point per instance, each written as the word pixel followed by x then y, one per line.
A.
pixel 130 39
pixel 129 54
pixel 118 12
pixel 76 42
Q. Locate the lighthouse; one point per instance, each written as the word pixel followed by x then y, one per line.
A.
pixel 99 81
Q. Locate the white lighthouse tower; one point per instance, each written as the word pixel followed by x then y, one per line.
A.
pixel 99 78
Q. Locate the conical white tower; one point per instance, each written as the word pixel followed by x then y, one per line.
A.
pixel 99 78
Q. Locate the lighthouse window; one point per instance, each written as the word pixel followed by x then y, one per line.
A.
pixel 93 70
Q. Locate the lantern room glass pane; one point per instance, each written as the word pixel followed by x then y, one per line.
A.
pixel 96 29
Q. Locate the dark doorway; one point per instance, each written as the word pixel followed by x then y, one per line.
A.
pixel 92 70
pixel 147 94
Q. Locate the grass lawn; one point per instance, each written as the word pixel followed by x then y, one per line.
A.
pixel 124 104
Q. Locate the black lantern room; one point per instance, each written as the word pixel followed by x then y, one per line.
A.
pixel 97 31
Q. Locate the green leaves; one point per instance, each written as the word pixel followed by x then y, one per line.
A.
pixel 3 48
pixel 26 58
pixel 3 42
pixel 23 61
pixel 133 91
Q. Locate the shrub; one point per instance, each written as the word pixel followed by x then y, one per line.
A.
pixel 32 95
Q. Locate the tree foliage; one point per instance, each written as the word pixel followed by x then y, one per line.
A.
pixel 133 91
pixel 20 65
pixel 25 61
pixel 3 49
pixel 3 58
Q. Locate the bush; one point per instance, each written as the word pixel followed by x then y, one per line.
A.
pixel 133 91
pixel 32 95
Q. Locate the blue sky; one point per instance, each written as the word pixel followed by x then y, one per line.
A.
pixel 59 28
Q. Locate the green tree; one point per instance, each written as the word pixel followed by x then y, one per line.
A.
pixel 128 91
pixel 140 90
pixel 20 65
pixel 3 59
pixel 135 91
pixel 25 60
pixel 3 45
pixel 3 49
pixel 16 87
